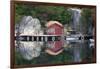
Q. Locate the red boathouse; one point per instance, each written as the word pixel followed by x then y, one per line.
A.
pixel 54 28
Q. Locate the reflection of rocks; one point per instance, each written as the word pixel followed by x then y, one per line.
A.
pixel 29 26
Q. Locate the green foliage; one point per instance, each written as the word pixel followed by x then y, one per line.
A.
pixel 46 59
pixel 44 13
pixel 86 19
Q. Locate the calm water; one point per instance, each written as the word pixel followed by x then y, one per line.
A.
pixel 74 52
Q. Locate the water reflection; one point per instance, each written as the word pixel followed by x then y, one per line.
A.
pixel 81 51
pixel 73 52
